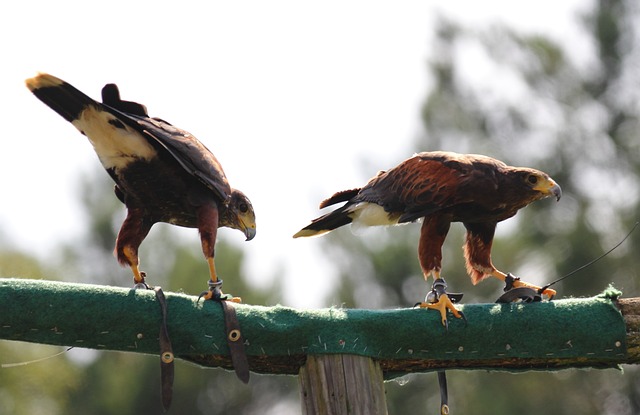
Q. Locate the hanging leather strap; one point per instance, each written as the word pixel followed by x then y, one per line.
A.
pixel 444 395
pixel 235 341
pixel 166 353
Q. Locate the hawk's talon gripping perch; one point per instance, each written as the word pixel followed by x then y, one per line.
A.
pixel 512 282
pixel 438 299
pixel 215 293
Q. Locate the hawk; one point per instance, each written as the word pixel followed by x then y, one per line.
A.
pixel 162 173
pixel 439 188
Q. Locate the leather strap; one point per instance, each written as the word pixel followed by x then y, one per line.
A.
pixel 524 294
pixel 235 341
pixel 444 395
pixel 166 353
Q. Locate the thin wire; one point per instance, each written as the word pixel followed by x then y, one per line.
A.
pixel 9 365
pixel 594 261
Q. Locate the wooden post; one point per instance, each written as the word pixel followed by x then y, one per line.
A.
pixel 342 384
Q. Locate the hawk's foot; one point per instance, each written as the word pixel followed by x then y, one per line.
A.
pixel 515 282
pixel 215 293
pixel 439 299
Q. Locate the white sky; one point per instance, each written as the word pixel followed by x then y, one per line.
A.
pixel 293 98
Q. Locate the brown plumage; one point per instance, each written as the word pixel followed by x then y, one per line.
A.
pixel 441 188
pixel 162 173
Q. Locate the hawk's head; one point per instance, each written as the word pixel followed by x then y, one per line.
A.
pixel 239 214
pixel 528 185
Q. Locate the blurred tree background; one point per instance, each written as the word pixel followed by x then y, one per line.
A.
pixel 520 98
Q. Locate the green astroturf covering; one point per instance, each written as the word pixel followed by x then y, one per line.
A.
pixel 117 318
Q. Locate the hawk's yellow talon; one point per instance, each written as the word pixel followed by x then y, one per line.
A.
pixel 210 295
pixel 549 292
pixel 442 305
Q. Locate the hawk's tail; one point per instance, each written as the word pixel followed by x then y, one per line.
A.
pixel 325 223
pixel 60 96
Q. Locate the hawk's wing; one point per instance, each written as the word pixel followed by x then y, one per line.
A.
pixel 430 182
pixel 187 150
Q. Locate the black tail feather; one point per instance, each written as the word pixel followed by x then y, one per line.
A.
pixel 325 223
pixel 60 96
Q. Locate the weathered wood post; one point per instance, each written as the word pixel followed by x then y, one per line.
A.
pixel 342 384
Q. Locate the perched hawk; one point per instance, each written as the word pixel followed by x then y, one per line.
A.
pixel 162 173
pixel 440 188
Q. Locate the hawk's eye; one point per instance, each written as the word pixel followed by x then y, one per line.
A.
pixel 243 207
pixel 532 179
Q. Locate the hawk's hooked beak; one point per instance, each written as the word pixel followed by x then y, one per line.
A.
pixel 249 231
pixel 550 188
pixel 556 191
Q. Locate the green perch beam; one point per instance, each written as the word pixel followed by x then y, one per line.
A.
pixel 598 332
